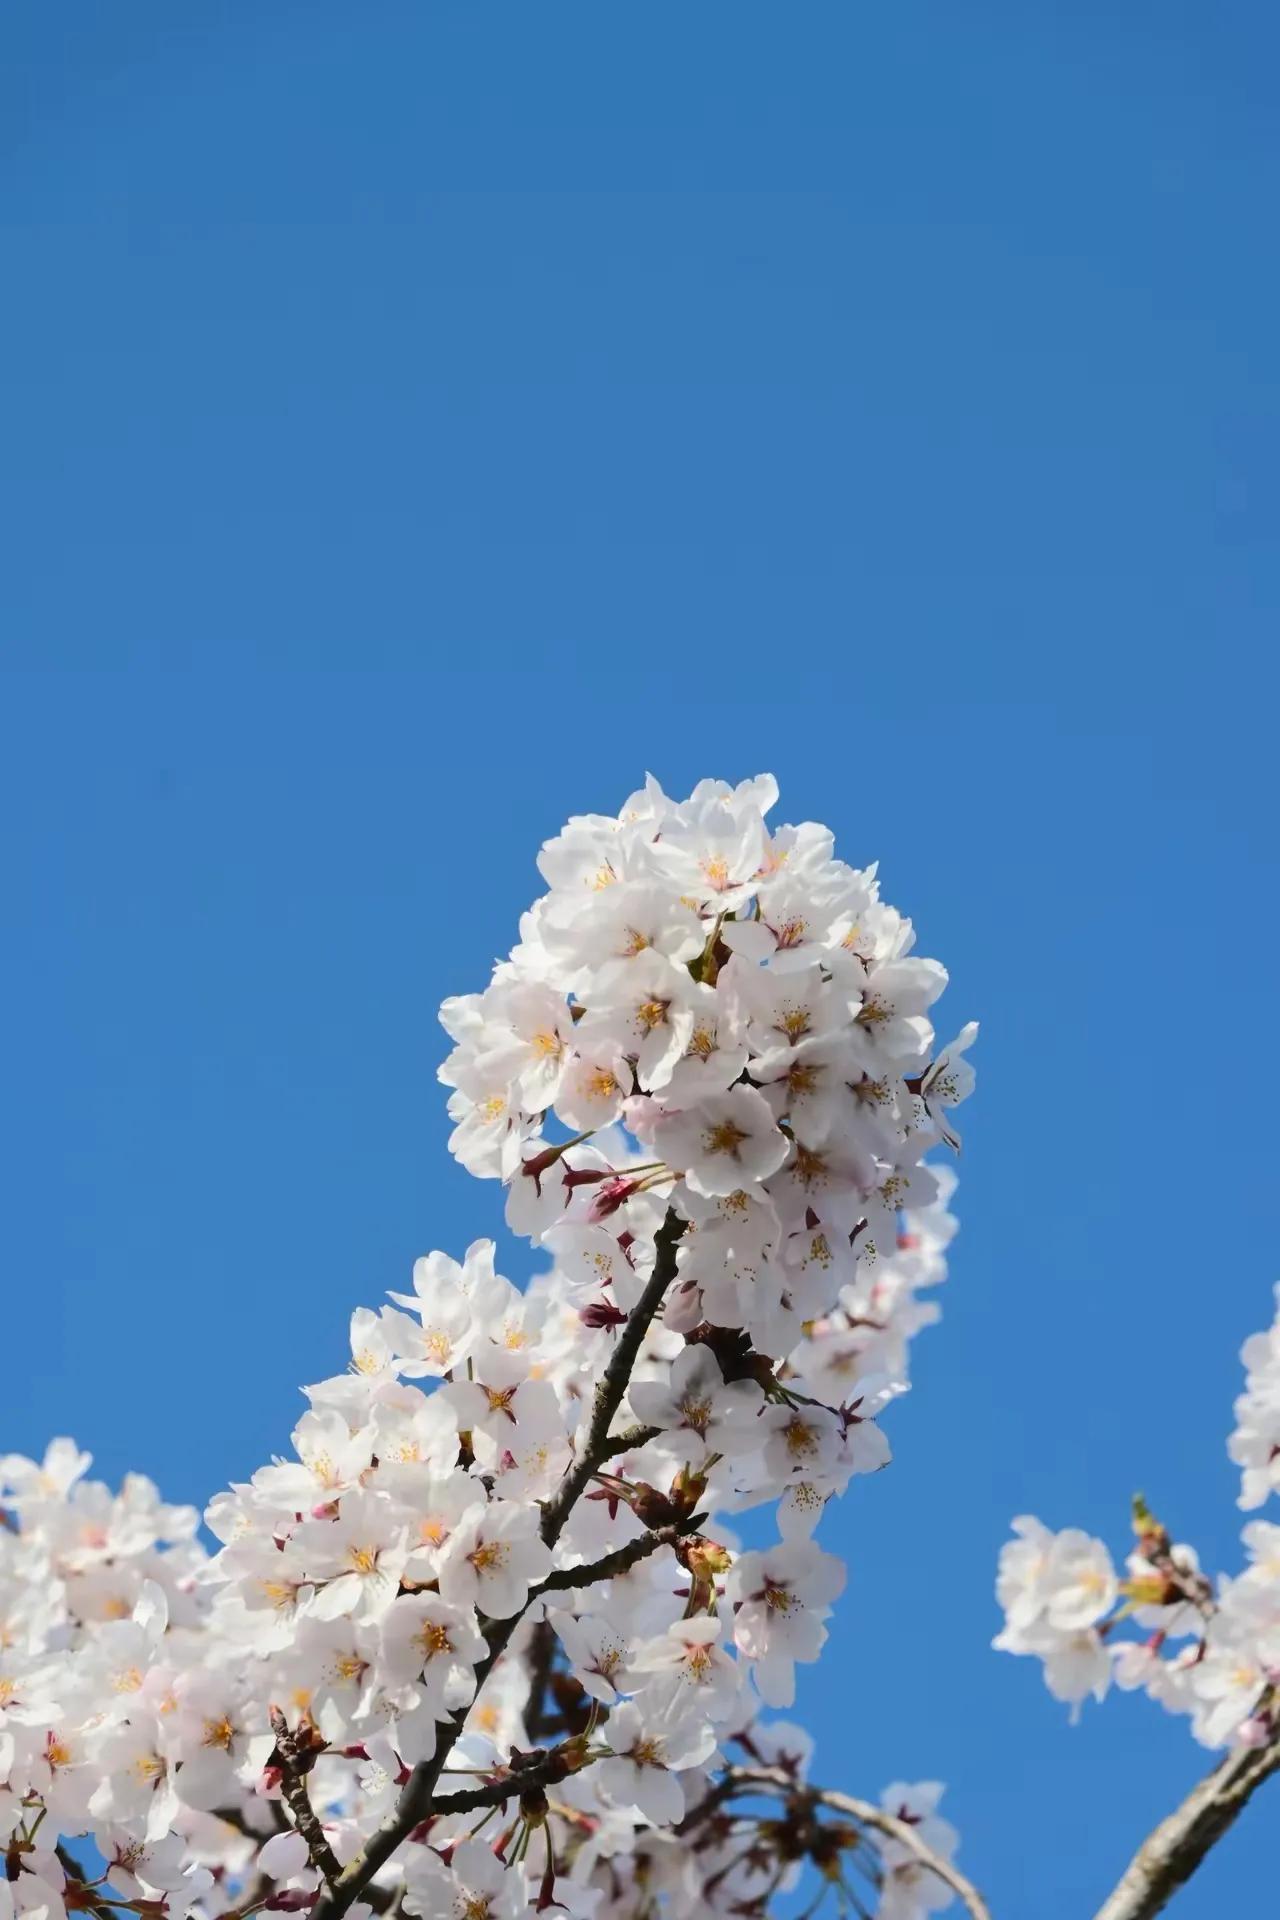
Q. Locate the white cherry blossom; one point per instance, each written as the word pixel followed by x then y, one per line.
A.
pixel 704 1078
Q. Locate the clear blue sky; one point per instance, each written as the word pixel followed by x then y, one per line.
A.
pixel 418 420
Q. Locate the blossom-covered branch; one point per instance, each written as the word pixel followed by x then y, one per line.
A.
pixel 499 1575
pixel 1207 1649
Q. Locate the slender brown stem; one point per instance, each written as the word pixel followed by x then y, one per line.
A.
pixel 626 1442
pixel 547 1772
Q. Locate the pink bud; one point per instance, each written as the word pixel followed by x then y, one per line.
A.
pixel 584 1176
pixel 613 1194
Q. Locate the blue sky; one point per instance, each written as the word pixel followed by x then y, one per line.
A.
pixel 418 422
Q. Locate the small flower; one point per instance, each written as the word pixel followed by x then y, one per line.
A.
pixel 728 1141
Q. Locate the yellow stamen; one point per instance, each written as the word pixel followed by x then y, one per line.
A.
pixel 724 1137
pixel 489 1554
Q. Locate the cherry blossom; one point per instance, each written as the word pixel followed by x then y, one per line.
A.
pixel 1211 1648
pixel 492 1599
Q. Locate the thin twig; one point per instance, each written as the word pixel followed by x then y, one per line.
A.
pixel 293 1790
pixel 621 1560
pixel 554 1767
pixel 1171 1854
pixel 775 1780
pixel 627 1441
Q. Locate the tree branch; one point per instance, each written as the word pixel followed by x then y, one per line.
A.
pixel 621 1560
pixel 554 1767
pixel 415 1802
pixel 775 1780
pixel 542 1650
pixel 293 1790
pixel 614 1381
pixel 1171 1854
pixel 626 1442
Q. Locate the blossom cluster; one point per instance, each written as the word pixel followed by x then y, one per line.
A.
pixel 502 1550
pixel 754 1014
pixel 105 1690
pixel 1207 1648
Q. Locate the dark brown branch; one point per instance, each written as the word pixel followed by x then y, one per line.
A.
pixel 1167 1859
pixel 415 1802
pixel 621 1560
pixel 293 1790
pixel 554 1767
